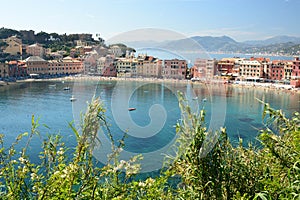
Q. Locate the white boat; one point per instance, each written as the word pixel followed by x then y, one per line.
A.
pixel 66 88
pixel 52 86
pixel 73 98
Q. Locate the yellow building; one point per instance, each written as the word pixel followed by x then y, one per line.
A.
pixel 148 66
pixel 14 46
pixel 126 67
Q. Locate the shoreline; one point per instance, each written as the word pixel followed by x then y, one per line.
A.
pixel 268 86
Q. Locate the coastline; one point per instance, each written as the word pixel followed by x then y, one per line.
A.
pixel 266 86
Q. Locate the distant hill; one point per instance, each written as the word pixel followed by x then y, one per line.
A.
pixel 275 45
pixel 275 40
pixel 209 43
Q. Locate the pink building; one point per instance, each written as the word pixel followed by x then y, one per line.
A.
pixel 35 50
pixel 295 78
pixel 276 70
pixel 17 69
pixel 204 68
pixel 175 69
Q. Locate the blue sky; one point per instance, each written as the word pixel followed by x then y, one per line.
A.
pixel 240 19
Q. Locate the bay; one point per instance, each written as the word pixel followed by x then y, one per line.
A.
pixel 156 114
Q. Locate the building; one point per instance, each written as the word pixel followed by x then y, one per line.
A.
pixel 65 66
pixel 14 46
pixel 295 78
pixel 175 69
pixel 36 66
pixel 149 66
pixel 35 50
pixel 106 66
pixel 4 70
pixel 17 69
pixel 126 67
pixel 288 69
pixel 116 51
pixel 204 69
pixel 250 69
pixel 277 70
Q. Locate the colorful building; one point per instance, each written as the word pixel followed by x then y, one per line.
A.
pixel 149 66
pixel 204 69
pixel 35 50
pixel 36 66
pixel 4 70
pixel 250 69
pixel 126 67
pixel 14 45
pixel 175 69
pixel 106 66
pixel 295 78
pixel 65 66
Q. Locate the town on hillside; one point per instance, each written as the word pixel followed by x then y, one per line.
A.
pixel 25 54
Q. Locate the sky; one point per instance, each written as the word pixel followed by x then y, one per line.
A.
pixel 240 19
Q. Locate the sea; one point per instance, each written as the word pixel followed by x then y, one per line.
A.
pixel 150 127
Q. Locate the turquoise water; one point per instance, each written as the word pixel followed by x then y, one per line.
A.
pixel 156 109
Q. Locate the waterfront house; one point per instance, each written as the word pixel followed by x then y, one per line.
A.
pixel 277 70
pixel 175 69
pixel 250 69
pixel 106 66
pixel 65 66
pixel 149 66
pixel 126 67
pixel 204 69
pixel 295 78
pixel 36 66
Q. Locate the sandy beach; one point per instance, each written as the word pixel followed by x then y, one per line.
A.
pixel 265 86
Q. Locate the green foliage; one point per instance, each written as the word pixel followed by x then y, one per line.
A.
pixel 226 172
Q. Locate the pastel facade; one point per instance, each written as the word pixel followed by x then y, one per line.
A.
pixel 14 46
pixel 295 78
pixel 106 66
pixel 204 69
pixel 250 69
pixel 149 66
pixel 126 67
pixel 35 50
pixel 17 69
pixel 277 70
pixel 175 69
pixel 116 51
pixel 65 66
pixel 36 65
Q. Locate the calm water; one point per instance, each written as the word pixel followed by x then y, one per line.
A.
pixel 151 126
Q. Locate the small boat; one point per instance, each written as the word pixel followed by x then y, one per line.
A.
pixel 73 98
pixel 66 88
pixel 195 98
pixel 52 86
pixel 131 109
pixel 204 100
